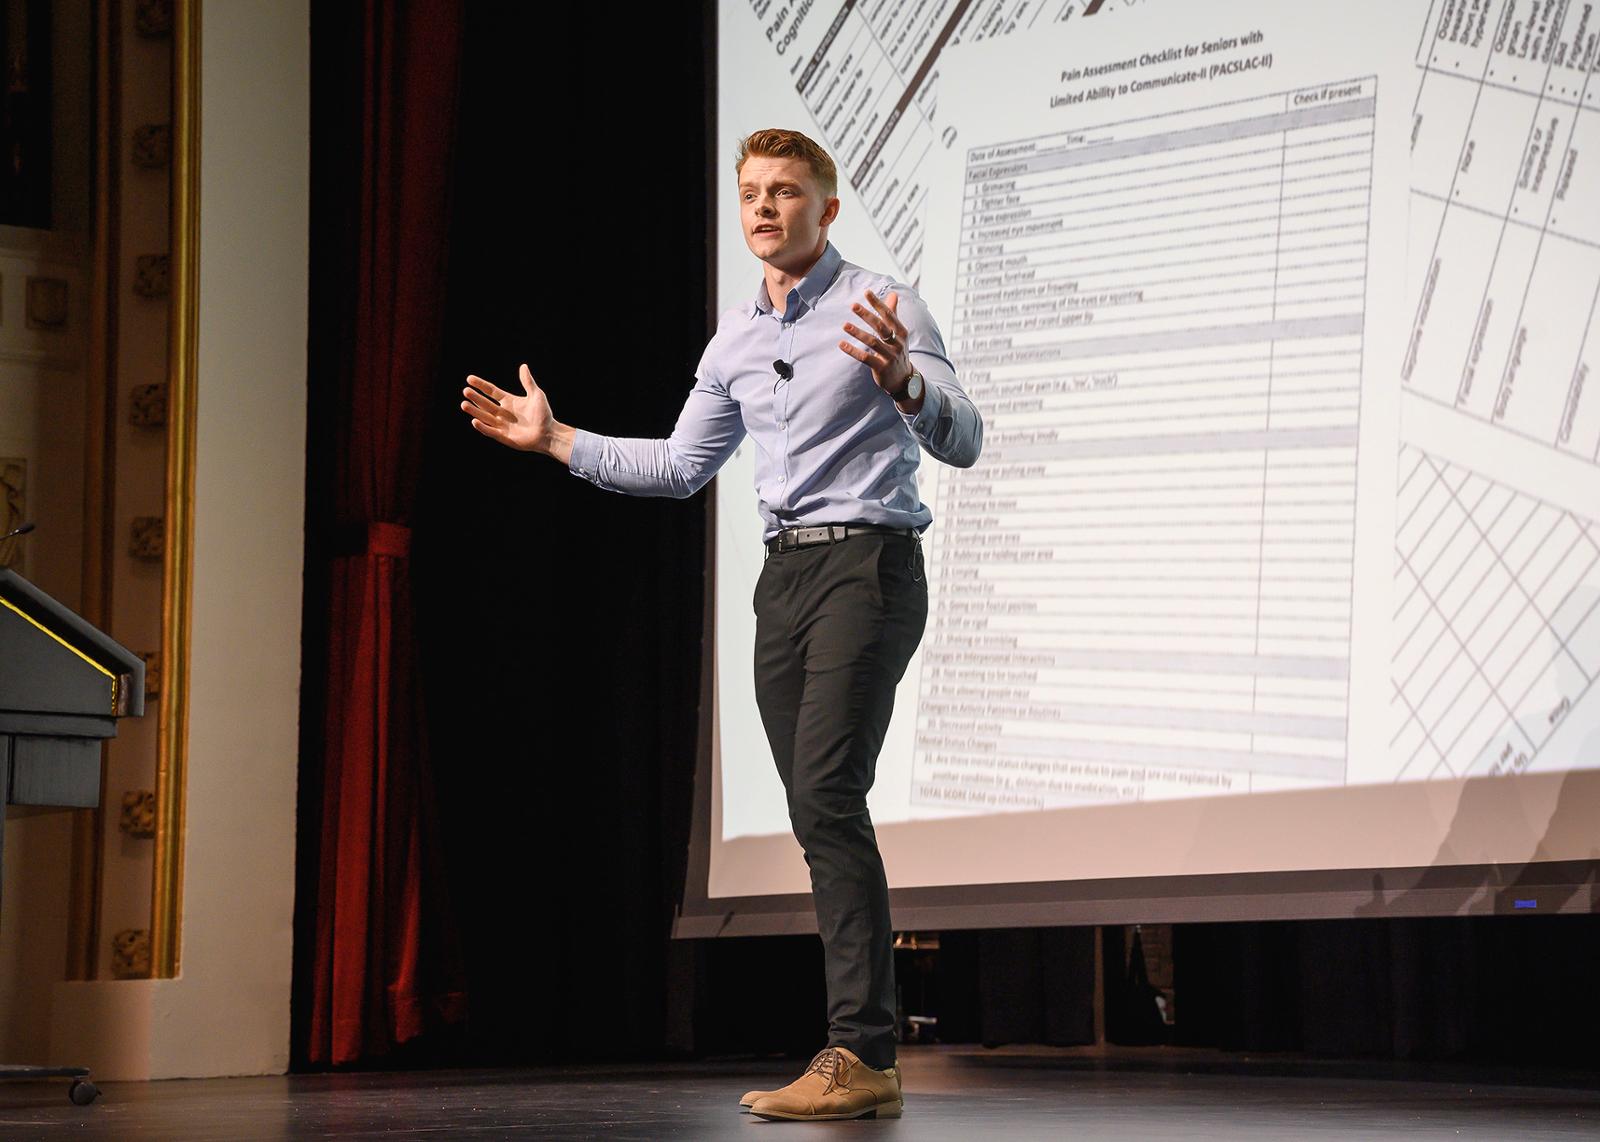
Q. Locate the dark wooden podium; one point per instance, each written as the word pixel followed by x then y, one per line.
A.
pixel 63 685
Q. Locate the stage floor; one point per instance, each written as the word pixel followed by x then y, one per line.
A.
pixel 957 1093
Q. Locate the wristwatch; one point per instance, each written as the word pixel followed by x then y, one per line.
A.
pixel 913 389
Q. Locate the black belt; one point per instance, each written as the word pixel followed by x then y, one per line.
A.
pixel 793 538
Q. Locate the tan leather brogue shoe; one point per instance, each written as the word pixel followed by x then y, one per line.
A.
pixel 751 1097
pixel 836 1085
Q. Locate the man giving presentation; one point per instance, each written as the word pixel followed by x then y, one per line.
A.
pixel 839 425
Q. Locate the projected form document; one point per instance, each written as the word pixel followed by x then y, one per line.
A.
pixel 1505 244
pixel 1164 295
pixel 1497 621
pixel 867 74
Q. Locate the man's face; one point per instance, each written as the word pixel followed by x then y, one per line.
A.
pixel 783 211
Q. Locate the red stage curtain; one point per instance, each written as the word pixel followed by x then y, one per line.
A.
pixel 385 964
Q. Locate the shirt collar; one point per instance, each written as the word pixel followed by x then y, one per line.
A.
pixel 810 288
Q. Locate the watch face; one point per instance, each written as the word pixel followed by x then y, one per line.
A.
pixel 914 387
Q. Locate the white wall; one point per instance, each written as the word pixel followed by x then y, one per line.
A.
pixel 228 1013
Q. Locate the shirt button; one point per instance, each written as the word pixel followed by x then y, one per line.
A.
pixel 781 479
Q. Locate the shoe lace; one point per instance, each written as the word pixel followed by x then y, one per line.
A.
pixel 833 1067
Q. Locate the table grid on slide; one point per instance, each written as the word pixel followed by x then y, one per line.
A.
pixel 1497 622
pixel 1144 585
pixel 864 87
pixel 1505 229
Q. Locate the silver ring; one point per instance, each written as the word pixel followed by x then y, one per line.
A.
pixel 889 339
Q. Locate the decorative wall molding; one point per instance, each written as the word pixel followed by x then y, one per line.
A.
pixel 13 507
pixel 147 406
pixel 47 303
pixel 65 248
pixel 152 275
pixel 153 19
pixel 177 586
pixel 152 146
pixel 130 954
pixel 139 813
pixel 148 538
pixel 40 358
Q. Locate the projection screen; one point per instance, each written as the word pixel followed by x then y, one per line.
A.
pixel 1276 590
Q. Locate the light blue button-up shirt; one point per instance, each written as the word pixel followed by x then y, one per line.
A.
pixel 831 447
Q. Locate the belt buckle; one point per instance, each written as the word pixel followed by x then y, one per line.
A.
pixel 788 540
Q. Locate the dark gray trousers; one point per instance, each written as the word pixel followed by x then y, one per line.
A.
pixel 835 626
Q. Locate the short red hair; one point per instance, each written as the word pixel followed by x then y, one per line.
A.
pixel 776 143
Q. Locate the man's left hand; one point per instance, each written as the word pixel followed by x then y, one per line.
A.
pixel 882 344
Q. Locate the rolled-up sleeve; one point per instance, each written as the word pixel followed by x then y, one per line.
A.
pixel 708 430
pixel 948 425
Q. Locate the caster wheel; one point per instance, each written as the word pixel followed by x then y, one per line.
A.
pixel 82 1092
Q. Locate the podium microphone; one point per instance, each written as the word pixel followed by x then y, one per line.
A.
pixel 22 530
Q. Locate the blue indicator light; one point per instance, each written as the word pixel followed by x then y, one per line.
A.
pixel 1525 904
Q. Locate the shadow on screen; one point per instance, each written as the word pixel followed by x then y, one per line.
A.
pixel 1548 880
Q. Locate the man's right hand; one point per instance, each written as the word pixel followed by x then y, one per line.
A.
pixel 521 422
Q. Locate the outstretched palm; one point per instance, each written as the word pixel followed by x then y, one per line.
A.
pixel 521 422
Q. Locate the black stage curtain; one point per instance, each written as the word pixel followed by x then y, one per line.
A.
pixel 560 633
pixel 561 624
pixel 376 960
pixel 1485 989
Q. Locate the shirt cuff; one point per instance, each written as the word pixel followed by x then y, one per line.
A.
pixel 922 421
pixel 585 458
